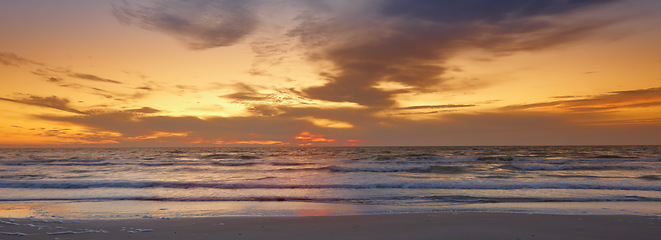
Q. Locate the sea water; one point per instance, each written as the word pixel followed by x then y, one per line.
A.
pixel 171 182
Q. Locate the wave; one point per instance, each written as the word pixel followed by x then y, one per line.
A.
pixel 228 156
pixel 397 185
pixel 496 158
pixel 611 157
pixel 234 164
pixel 304 169
pixel 290 164
pixel 378 169
pixel 394 164
pixel 474 199
pixel 24 176
pixel 651 177
pixel 150 163
pixel 536 167
pixel 384 199
pixel 580 176
pixel 67 162
pixel 417 169
pixel 157 164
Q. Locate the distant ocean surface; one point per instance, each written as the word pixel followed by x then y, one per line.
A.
pixel 398 177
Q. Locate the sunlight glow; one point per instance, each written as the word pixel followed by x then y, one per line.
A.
pixel 308 138
pixel 256 142
pixel 158 134
pixel 327 123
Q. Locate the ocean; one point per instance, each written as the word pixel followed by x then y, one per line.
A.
pixel 170 182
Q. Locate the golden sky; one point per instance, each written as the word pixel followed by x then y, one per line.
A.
pixel 326 72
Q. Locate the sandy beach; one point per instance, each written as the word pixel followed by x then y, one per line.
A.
pixel 462 225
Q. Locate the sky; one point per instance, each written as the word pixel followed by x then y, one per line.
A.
pixel 132 73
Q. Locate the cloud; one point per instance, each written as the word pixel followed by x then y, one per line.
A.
pixel 11 59
pixel 414 110
pixel 53 102
pixel 267 103
pixel 482 10
pixel 64 77
pixel 511 128
pixel 200 24
pixel 409 42
pixel 436 106
pixel 143 110
pixel 481 128
pixel 63 104
pixel 145 123
pixel 93 78
pixel 57 75
pixel 131 124
pixel 613 101
pixel 244 92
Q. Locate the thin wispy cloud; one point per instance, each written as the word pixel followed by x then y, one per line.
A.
pixel 265 103
pixel 613 101
pixel 11 59
pixel 244 92
pixel 92 77
pixel 133 123
pixel 69 78
pixel 53 102
pixel 437 106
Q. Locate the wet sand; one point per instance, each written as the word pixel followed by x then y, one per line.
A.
pixel 462 225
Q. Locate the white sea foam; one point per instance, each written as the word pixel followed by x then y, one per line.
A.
pixel 18 234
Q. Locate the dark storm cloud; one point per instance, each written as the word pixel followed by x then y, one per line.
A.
pixel 53 102
pixel 200 24
pixel 409 42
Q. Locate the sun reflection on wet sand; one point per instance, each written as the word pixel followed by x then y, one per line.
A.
pixel 164 209
pixel 27 210
pixel 323 212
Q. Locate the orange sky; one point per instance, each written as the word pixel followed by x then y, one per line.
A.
pixel 322 72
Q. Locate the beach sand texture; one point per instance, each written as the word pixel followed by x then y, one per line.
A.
pixel 388 226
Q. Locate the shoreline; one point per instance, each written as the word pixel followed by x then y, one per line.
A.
pixel 135 209
pixel 445 225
